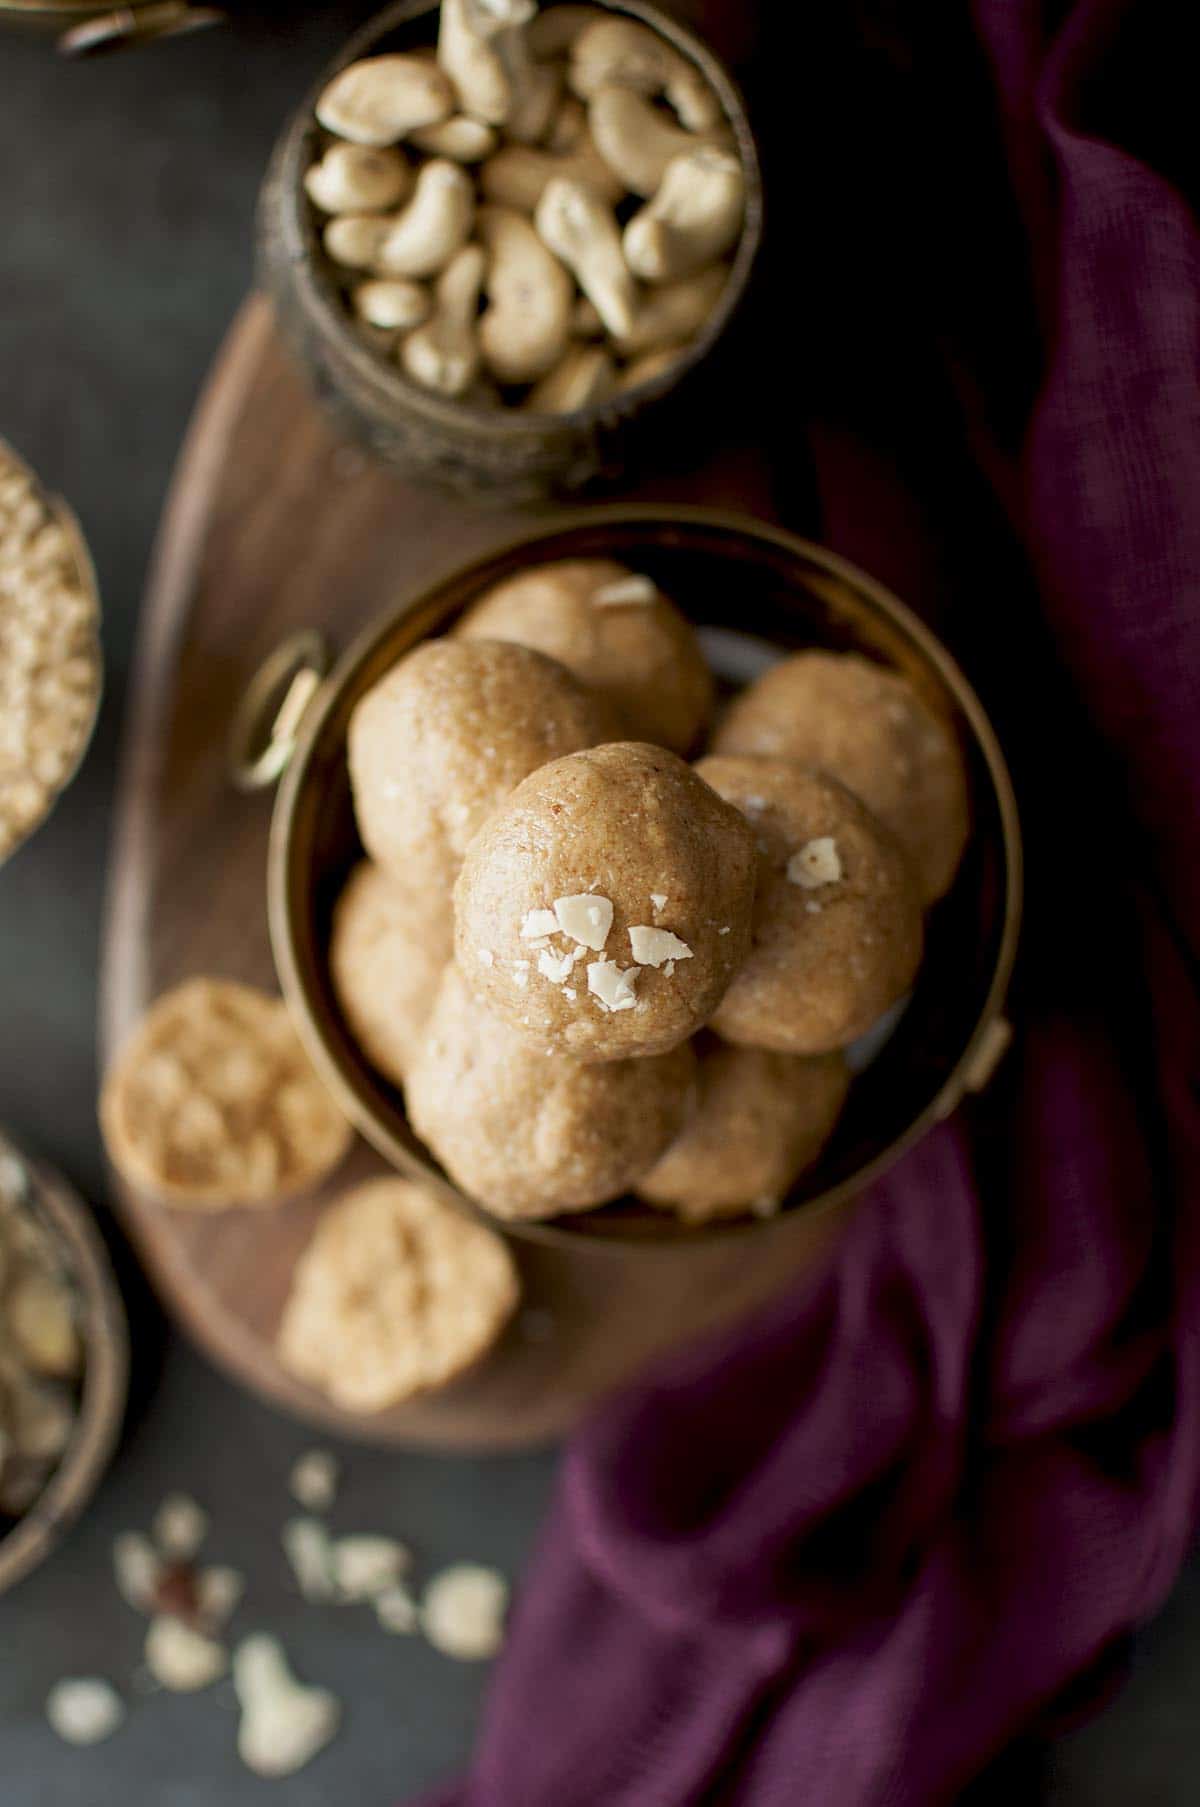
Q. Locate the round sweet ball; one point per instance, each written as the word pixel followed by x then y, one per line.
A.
pixel 866 726
pixel 446 734
pixel 602 910
pixel 760 1120
pixel 389 946
pixel 617 632
pixel 837 920
pixel 532 1135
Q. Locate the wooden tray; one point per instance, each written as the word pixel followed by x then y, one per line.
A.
pixel 272 525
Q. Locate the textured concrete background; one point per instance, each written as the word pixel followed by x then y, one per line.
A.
pixel 125 235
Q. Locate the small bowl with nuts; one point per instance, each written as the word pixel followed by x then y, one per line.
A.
pixel 50 663
pixel 63 1360
pixel 496 235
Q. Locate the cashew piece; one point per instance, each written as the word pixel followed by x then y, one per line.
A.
pixel 524 330
pixel 581 229
pixel 517 175
pixel 635 139
pixel 355 239
pixel 383 98
pixel 462 139
pixel 621 53
pixel 649 365
pixel 394 305
pixel 585 321
pixel 358 178
pixel 536 90
pixel 444 353
pixel 438 219
pixel 693 219
pixel 674 312
pixel 568 125
pixel 586 374
pixel 469 54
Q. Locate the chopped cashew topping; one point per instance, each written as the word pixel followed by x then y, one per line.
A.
pixel 586 918
pixel 613 986
pixel 624 590
pixel 659 900
pixel 816 863
pixel 654 947
pixel 538 923
pixel 554 967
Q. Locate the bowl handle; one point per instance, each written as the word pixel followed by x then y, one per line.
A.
pixel 266 725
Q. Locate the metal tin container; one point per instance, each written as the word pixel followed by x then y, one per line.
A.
pixel 503 452
pixel 754 592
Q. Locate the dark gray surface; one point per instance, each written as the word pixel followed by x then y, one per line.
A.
pixel 125 231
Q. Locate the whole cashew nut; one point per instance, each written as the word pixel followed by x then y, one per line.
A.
pixel 355 239
pixel 438 219
pixel 383 98
pixel 517 175
pixel 581 229
pixel 636 141
pixel 694 218
pixel 469 54
pixel 586 374
pixel 526 325
pixel 358 178
pixel 462 139
pixel 444 353
pixel 395 305
pixel 674 312
pixel 621 53
pixel 649 365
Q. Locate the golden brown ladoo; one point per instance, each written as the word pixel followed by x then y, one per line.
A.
pixel 837 920
pixel 867 727
pixel 531 1135
pixel 604 907
pixel 760 1120
pixel 396 1293
pixel 449 731
pixel 617 632
pixel 389 946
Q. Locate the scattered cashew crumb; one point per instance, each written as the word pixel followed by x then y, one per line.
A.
pixel 84 1709
pixel 555 967
pixel 218 1591
pixel 586 918
pixel 624 590
pixel 538 923
pixel 659 901
pixel 814 909
pixel 314 1479
pixel 569 991
pixel 613 986
pixel 137 1568
pixel 815 864
pixel 396 1610
pixel 653 947
pixel 180 1658
pixel 307 1547
pixel 366 1566
pixel 283 1724
pixel 462 1611
pixel 180 1526
pixel 723 931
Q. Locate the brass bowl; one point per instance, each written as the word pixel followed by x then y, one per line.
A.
pixel 753 590
pixel 502 452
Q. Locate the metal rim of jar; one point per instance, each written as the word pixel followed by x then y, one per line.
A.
pixel 315 292
pixel 982 1048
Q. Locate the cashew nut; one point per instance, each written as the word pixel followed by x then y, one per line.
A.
pixel 586 374
pixel 355 239
pixel 585 321
pixel 568 125
pixel 438 219
pixel 283 1724
pixel 536 90
pixel 462 139
pixel 358 178
pixel 444 353
pixel 524 330
pixel 395 304
pixel 517 175
pixel 674 312
pixel 581 229
pixel 468 53
pixel 383 98
pixel 621 53
pixel 693 219
pixel 649 365
pixel 554 31
pixel 636 140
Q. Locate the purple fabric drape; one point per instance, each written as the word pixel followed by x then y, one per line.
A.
pixel 842 1555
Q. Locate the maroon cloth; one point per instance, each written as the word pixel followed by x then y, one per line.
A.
pixel 844 1554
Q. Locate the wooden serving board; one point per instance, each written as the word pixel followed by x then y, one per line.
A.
pixel 273 525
